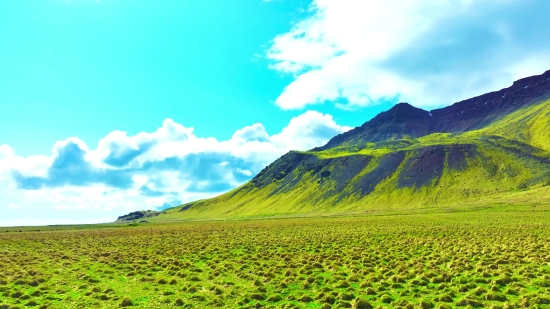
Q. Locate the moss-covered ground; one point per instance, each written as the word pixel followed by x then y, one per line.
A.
pixel 491 258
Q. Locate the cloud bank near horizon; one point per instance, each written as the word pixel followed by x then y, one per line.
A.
pixel 149 170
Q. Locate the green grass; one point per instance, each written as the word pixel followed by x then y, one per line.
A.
pixel 490 257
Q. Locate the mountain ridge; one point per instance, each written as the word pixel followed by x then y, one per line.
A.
pixel 480 111
pixel 399 159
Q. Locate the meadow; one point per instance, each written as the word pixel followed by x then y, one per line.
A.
pixel 486 258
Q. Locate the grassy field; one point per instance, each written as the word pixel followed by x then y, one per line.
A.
pixel 485 258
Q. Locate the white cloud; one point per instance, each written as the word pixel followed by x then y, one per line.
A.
pixel 31 165
pixel 307 131
pixel 255 132
pixel 144 171
pixel 13 206
pixel 430 53
pixel 244 172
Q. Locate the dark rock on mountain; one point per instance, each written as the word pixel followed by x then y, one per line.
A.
pixel 423 167
pixel 458 156
pixel 290 169
pixel 387 167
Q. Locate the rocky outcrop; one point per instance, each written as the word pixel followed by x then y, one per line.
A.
pixel 138 215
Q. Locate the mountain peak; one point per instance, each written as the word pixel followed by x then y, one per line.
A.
pixel 400 113
pixel 402 105
pixel 401 121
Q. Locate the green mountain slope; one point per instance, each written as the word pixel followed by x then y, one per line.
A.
pixel 395 163
pixel 530 125
pixel 438 170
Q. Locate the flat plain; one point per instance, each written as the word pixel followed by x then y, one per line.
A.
pixel 491 258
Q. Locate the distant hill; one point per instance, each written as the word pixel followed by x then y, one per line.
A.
pixel 489 149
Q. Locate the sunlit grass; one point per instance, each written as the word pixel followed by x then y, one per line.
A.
pixel 492 259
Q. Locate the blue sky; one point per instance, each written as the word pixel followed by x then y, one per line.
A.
pixel 115 105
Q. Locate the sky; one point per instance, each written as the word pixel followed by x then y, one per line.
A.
pixel 111 106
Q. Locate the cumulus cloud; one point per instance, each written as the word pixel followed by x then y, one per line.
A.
pixel 70 166
pixel 307 131
pixel 430 53
pixel 149 170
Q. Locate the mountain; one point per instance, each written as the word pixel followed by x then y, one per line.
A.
pixel 404 120
pixel 491 149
